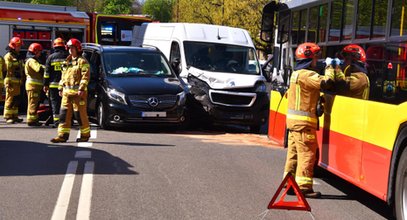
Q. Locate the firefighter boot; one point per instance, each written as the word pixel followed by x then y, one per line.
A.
pixel 60 139
pixel 309 193
pixel 82 139
pixel 34 124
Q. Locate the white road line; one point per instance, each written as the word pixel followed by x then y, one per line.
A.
pixel 85 144
pixel 93 133
pixel 61 206
pixel 83 154
pixel 85 197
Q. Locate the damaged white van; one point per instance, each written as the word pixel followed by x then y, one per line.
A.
pixel 220 66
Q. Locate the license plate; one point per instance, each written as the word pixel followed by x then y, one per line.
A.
pixel 154 114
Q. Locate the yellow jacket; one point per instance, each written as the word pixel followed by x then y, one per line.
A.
pixel 14 68
pixel 34 72
pixel 75 76
pixel 2 70
pixel 303 95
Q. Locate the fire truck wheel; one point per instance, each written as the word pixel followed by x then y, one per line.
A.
pixel 401 187
pixel 101 116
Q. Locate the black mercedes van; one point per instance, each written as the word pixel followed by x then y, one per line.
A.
pixel 133 85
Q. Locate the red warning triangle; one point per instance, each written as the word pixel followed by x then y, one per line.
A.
pixel 300 204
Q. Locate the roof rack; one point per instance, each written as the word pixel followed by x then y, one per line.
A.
pixel 93 45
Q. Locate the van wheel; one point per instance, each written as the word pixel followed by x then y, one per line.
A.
pixel 102 120
pixel 401 187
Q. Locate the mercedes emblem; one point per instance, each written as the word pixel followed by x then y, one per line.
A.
pixel 152 101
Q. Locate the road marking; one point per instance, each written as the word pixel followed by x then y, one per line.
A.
pixel 85 144
pixel 93 133
pixel 61 207
pixel 83 154
pixel 85 196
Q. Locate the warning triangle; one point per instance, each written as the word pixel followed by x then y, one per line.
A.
pixel 300 204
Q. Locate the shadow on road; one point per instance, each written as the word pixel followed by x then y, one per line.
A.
pixel 352 192
pixel 23 158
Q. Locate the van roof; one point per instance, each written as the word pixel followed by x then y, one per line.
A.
pixel 201 32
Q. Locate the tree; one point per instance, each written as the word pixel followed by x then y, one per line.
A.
pixel 54 2
pixel 244 14
pixel 117 6
pixel 160 10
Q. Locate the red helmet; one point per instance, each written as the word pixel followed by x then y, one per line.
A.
pixel 59 42
pixel 15 42
pixel 35 48
pixel 307 51
pixel 76 43
pixel 356 52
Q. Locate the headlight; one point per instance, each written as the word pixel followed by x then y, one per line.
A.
pixel 261 87
pixel 116 96
pixel 182 98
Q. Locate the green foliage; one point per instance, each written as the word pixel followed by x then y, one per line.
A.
pixel 160 10
pixel 244 14
pixel 54 2
pixel 117 7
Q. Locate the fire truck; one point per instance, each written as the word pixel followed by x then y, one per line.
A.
pixel 43 23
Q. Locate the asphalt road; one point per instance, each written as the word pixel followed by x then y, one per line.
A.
pixel 152 173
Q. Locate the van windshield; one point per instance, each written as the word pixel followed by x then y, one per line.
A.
pixel 135 63
pixel 221 57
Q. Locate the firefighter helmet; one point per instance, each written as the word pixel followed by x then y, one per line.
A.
pixel 15 42
pixel 307 51
pixel 355 52
pixel 59 42
pixel 35 48
pixel 76 43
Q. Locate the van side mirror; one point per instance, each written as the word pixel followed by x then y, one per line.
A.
pixel 176 66
pixel 268 21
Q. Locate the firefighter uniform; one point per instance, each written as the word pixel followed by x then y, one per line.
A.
pixel 353 84
pixel 2 71
pixel 75 78
pixel 302 120
pixel 12 83
pixel 34 72
pixel 52 76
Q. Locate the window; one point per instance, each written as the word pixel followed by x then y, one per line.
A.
pixel 364 18
pixel 323 17
pixel 336 18
pixel 347 28
pixel 295 26
pixel 303 27
pixel 313 24
pixel 399 18
pixel 380 17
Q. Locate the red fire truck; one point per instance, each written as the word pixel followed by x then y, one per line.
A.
pixel 43 23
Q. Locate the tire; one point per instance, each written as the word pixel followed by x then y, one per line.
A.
pixel 400 202
pixel 101 117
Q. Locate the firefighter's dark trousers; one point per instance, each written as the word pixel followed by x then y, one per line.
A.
pixel 32 107
pixel 55 101
pixel 73 105
pixel 301 156
pixel 12 101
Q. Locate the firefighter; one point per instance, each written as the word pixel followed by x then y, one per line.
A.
pixel 2 71
pixel 34 74
pixel 302 120
pixel 52 76
pixel 352 80
pixel 13 80
pixel 73 89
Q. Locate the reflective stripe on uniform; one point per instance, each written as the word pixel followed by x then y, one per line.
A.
pixel 302 180
pixel 302 118
pixel 32 117
pixel 10 112
pixel 13 79
pixel 300 113
pixel 63 130
pixel 72 87
pixel 54 85
pixel 34 81
pixel 297 97
pixel 46 75
pixel 85 130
